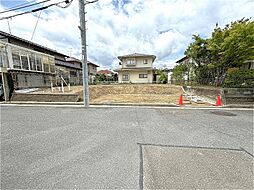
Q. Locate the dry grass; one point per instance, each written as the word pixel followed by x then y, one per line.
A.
pixel 135 98
pixel 130 93
pixel 127 93
pixel 142 93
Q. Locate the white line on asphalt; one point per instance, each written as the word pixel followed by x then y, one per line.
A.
pixel 126 106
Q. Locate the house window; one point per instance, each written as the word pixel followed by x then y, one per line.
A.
pixel 73 73
pixel 145 61
pixel 142 75
pixel 24 60
pixel 16 59
pixel 32 61
pixel 130 62
pixel 3 58
pixel 45 63
pixel 52 64
pixel 125 77
pixel 39 62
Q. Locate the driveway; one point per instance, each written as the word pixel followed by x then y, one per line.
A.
pixel 125 148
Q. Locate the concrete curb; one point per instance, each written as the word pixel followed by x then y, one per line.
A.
pixel 238 106
pixel 124 104
pixel 81 103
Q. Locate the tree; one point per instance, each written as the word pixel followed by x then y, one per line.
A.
pixel 198 51
pixel 163 77
pixel 228 47
pixel 238 45
pixel 101 77
pixel 179 71
pixel 115 77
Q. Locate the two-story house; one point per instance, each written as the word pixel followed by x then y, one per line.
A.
pixel 136 68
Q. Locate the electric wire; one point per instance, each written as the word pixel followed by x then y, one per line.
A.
pixel 36 24
pixel 22 7
pixel 35 10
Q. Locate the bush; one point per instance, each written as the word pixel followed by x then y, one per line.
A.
pixel 237 78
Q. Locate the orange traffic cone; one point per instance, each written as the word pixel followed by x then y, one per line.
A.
pixel 181 100
pixel 218 101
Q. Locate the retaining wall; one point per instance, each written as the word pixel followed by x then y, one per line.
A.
pixel 239 95
pixel 228 95
pixel 34 97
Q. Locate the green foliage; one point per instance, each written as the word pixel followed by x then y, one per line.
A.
pixel 228 47
pixel 179 71
pixel 101 77
pixel 239 78
pixel 163 77
pixel 115 77
pixel 238 45
pixel 198 51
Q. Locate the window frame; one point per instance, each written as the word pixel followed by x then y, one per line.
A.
pixel 24 60
pixel 143 76
pixel 130 62
pixel 124 78
pixel 16 60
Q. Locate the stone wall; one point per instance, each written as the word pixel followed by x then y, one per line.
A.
pixel 239 95
pixel 34 97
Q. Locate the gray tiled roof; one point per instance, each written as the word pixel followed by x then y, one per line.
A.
pixel 136 55
pixel 136 69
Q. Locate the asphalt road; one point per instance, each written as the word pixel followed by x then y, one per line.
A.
pixel 68 148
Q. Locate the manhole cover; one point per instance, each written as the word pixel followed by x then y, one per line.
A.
pixel 223 113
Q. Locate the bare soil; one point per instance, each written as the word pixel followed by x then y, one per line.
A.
pixel 126 93
pixel 129 93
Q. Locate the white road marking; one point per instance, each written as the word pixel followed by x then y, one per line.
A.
pixel 125 106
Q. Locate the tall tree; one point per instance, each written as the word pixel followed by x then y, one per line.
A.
pixel 227 48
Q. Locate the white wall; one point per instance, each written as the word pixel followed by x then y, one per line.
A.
pixel 139 62
pixel 134 77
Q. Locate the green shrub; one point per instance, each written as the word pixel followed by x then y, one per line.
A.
pixel 237 78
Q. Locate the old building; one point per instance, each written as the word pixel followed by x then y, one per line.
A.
pixel 92 71
pixel 24 64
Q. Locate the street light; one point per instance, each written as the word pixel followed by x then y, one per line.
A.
pixel 82 4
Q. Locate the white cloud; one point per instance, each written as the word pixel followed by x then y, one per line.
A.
pixel 160 27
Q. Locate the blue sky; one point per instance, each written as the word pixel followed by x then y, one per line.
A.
pixel 116 27
pixel 8 4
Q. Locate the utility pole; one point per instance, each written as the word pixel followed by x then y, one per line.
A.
pixel 82 4
pixel 84 53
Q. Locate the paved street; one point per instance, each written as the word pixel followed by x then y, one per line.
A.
pixel 67 148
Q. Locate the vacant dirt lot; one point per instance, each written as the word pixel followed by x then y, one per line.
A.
pixel 128 93
pixel 138 93
pixel 142 93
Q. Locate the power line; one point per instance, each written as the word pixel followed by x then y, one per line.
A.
pixel 23 4
pixel 36 24
pixel 35 10
pixel 67 5
pixel 22 7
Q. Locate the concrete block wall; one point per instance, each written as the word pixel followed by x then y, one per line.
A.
pixel 30 80
pixel 239 95
pixel 34 97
